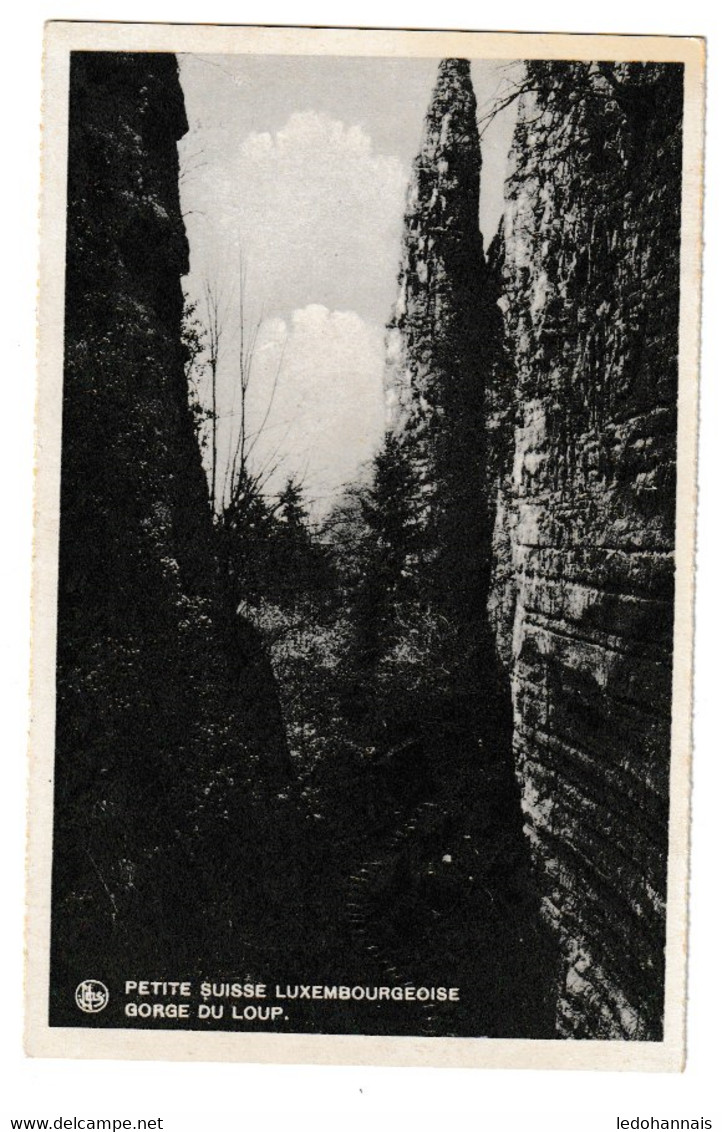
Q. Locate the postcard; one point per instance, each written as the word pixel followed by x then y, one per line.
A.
pixel 364 546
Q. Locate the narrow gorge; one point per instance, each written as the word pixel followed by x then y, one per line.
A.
pixel 421 737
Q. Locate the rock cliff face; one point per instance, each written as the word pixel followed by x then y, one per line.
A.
pixel 434 335
pixel 445 345
pixel 583 595
pixel 158 707
pixel 442 347
pixel 559 417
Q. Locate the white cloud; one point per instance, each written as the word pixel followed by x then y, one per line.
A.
pixel 319 215
pixel 317 211
pixel 327 416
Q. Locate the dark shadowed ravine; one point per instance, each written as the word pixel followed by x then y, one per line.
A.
pixel 421 740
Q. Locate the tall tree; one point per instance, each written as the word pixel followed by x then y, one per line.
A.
pixel 389 510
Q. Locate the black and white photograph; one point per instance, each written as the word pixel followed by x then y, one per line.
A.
pixel 364 537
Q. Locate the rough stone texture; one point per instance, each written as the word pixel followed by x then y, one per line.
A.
pixel 583 595
pixel 442 345
pixel 445 340
pixel 431 330
pixel 158 707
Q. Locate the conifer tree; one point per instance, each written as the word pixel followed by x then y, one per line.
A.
pixel 388 510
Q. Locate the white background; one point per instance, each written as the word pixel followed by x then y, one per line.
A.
pixel 191 1097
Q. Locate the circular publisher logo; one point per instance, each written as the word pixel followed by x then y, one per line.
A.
pixel 91 996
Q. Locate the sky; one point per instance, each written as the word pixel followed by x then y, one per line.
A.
pixel 293 177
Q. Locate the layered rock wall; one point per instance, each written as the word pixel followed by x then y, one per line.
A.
pixel 584 581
